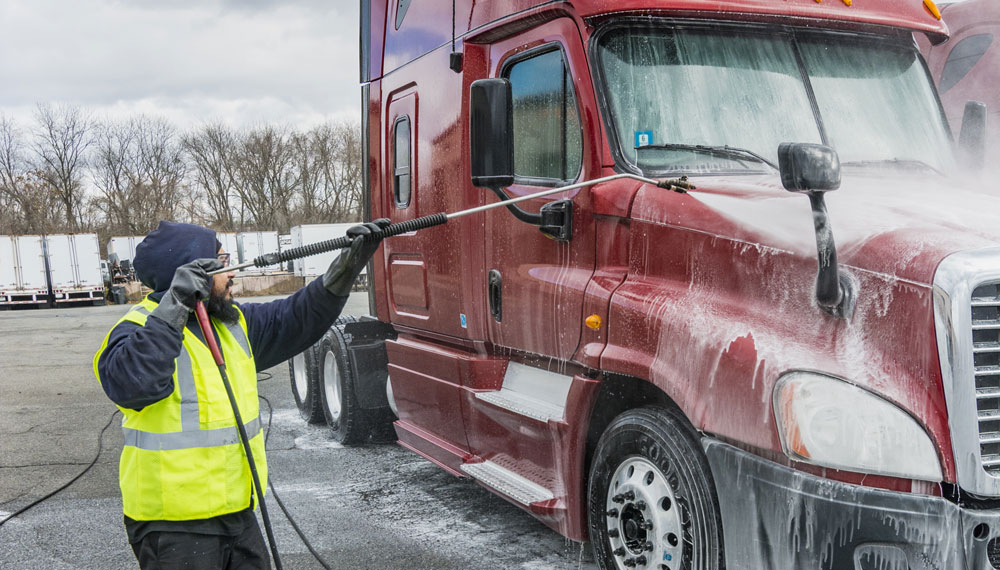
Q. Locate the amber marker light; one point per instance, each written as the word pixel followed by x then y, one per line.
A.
pixel 594 322
pixel 932 8
pixel 847 2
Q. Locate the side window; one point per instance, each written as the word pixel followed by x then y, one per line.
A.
pixel 963 57
pixel 548 145
pixel 401 161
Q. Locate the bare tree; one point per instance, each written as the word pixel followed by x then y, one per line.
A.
pixel 61 142
pixel 210 151
pixel 263 176
pixel 28 204
pixel 328 163
pixel 139 170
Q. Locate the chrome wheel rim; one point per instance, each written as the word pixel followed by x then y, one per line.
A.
pixel 331 385
pixel 300 377
pixel 643 518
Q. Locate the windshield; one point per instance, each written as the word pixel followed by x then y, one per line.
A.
pixel 665 88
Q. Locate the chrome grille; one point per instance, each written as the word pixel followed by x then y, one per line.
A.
pixel 986 361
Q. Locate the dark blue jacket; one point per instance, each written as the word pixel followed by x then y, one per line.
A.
pixel 137 367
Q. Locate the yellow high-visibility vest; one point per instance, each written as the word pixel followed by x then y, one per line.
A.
pixel 182 458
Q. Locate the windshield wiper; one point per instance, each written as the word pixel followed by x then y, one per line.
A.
pixel 726 151
pixel 898 162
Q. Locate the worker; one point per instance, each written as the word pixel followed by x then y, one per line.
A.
pixel 187 493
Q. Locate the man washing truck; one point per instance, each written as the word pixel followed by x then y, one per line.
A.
pixel 186 486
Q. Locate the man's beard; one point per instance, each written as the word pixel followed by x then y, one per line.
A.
pixel 220 306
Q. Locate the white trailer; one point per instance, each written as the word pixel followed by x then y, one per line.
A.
pixel 255 244
pixel 312 233
pixel 74 264
pixel 22 271
pixel 230 245
pixel 124 247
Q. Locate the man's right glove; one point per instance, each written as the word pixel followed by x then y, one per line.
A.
pixel 191 283
pixel 340 276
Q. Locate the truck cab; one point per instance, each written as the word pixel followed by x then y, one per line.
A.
pixel 769 339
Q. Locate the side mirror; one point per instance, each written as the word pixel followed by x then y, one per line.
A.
pixel 808 167
pixel 491 133
pixel 972 139
pixel 814 169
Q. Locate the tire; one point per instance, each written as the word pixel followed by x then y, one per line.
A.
pixel 343 414
pixel 651 495
pixel 302 369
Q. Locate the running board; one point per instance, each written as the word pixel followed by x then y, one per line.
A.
pixel 507 482
pixel 522 405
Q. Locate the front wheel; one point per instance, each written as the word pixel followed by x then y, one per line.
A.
pixel 651 497
pixel 340 405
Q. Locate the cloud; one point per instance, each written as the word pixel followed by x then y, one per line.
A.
pixel 235 60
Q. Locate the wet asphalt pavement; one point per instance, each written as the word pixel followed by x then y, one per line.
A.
pixel 373 507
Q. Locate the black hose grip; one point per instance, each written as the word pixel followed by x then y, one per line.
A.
pixel 345 241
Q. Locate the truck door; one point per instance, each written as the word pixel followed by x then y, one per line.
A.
pixel 536 283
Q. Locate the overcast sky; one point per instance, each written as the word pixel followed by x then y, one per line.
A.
pixel 191 61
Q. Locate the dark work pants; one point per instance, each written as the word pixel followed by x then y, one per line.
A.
pixel 188 551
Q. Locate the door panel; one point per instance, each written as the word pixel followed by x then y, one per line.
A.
pixel 543 280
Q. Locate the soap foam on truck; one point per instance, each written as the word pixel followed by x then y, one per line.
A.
pixel 793 364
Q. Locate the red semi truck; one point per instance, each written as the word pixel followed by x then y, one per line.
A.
pixel 663 370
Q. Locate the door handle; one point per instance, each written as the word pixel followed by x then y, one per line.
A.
pixel 496 295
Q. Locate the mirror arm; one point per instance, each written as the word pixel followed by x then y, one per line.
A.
pixel 524 216
pixel 835 291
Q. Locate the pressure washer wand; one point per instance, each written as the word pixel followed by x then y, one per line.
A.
pixel 678 185
pixel 206 330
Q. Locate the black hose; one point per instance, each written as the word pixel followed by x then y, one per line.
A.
pixel 342 242
pixel 253 466
pixel 284 509
pixel 100 447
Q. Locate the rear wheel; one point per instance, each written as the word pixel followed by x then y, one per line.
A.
pixel 651 497
pixel 340 406
pixel 305 385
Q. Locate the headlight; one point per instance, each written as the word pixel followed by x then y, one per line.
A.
pixel 832 423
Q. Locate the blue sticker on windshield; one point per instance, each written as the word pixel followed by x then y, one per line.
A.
pixel 643 138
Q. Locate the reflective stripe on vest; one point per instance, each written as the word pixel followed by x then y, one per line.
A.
pixel 190 439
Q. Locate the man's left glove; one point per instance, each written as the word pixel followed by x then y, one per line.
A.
pixel 340 276
pixel 191 283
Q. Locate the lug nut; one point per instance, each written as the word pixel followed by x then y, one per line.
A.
pixel 629 496
pixel 620 551
pixel 613 512
pixel 619 498
pixel 647 525
pixel 648 546
pixel 630 562
pixel 613 532
pixel 641 505
pixel 641 560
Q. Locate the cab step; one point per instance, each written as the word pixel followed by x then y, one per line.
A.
pixel 531 392
pixel 507 482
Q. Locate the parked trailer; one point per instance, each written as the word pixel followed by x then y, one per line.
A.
pixel 123 247
pixel 254 244
pixel 74 268
pixel 230 244
pixel 22 271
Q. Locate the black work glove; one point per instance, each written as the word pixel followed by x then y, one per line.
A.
pixel 191 283
pixel 345 269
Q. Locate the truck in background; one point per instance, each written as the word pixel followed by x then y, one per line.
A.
pixel 23 271
pixel 689 378
pixel 74 268
pixel 966 69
